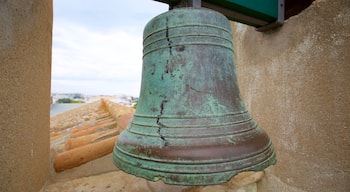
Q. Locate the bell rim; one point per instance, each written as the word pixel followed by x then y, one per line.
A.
pixel 191 178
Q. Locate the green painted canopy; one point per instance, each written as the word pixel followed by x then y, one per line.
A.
pixel 256 13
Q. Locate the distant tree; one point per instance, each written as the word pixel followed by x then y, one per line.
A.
pixel 78 96
pixel 135 101
pixel 68 100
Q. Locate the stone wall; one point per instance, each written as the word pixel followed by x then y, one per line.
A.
pixel 25 73
pixel 295 82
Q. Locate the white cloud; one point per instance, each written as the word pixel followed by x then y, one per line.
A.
pixel 81 52
pixel 91 59
pixel 86 55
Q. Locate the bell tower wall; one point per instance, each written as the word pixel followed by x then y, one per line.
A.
pixel 295 81
pixel 25 73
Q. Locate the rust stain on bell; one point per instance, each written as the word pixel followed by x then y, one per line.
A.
pixel 191 126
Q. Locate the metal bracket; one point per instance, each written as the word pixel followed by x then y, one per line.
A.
pixel 195 3
pixel 186 3
pixel 280 20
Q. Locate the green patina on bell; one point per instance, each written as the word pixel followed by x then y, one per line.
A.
pixel 191 126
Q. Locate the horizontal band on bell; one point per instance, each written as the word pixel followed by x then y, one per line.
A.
pixel 191 117
pixel 192 126
pixel 188 43
pixel 232 163
pixel 192 34
pixel 191 121
pixel 207 37
pixel 166 36
pixel 191 25
pixel 179 132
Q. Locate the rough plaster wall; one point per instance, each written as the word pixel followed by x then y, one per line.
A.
pixel 25 72
pixel 295 82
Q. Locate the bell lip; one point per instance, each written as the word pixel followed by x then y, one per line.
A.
pixel 192 179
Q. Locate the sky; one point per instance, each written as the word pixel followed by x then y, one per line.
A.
pixel 97 45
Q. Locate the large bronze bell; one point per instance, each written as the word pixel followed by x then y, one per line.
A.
pixel 191 126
